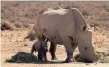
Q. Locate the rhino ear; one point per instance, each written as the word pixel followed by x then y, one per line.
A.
pixel 83 28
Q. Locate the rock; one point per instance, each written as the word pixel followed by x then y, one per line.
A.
pixel 25 45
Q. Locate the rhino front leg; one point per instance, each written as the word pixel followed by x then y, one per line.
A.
pixel 53 50
pixel 68 43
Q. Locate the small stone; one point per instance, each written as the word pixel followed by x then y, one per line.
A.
pixel 25 45
pixel 87 63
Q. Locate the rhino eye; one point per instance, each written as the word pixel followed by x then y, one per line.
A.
pixel 85 48
pixel 84 28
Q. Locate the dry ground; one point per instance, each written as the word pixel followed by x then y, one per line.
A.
pixel 13 42
pixel 96 14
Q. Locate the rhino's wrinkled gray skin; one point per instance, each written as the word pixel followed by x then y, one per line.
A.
pixel 67 27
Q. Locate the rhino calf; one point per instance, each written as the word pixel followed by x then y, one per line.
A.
pixel 41 48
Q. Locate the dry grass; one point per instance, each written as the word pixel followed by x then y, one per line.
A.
pixel 106 7
pixel 84 12
pixel 26 25
pixel 18 25
pixel 100 57
pixel 6 25
pixel 31 35
pixel 100 37
pixel 29 11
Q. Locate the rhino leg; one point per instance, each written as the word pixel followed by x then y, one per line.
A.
pixel 68 43
pixel 42 51
pixel 52 51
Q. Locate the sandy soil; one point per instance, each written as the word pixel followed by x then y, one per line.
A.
pixel 13 42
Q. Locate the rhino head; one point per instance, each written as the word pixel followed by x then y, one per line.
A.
pixel 83 37
pixel 85 45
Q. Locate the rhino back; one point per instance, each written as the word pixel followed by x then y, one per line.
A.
pixel 57 23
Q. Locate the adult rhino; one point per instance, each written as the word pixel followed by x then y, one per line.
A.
pixel 67 27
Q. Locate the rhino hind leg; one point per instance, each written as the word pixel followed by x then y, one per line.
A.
pixel 52 51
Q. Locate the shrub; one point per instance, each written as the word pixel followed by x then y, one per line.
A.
pixel 5 25
pixel 31 35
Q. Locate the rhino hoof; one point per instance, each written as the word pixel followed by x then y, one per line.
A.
pixel 45 61
pixel 54 59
